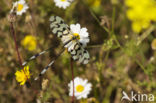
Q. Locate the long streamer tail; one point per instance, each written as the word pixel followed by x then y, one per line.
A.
pixel 50 64
pixel 35 56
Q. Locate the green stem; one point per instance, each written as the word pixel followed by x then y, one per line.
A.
pixel 95 46
pixel 113 19
pixel 142 67
pixel 94 16
pixel 145 35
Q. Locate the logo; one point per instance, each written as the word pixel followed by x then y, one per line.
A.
pixel 137 97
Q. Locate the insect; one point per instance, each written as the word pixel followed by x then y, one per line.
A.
pixel 69 40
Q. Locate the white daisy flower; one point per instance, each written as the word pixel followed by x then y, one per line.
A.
pixel 20 7
pixel 62 3
pixel 81 88
pixel 82 33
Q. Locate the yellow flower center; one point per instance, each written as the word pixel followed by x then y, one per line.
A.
pixel 19 7
pixel 63 0
pixel 79 88
pixel 77 35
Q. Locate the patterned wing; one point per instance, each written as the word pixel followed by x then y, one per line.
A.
pixel 61 29
pixel 79 53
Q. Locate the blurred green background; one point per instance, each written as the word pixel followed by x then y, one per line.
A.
pixel 120 59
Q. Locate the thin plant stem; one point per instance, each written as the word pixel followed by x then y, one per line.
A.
pixel 15 41
pixel 94 16
pixel 32 21
pixel 94 46
pixel 113 22
pixel 113 19
pixel 72 70
pixel 145 35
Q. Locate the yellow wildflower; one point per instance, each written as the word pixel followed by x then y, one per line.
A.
pixel 23 75
pixel 29 42
pixel 141 13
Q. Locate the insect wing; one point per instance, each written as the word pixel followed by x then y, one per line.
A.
pixel 61 29
pixel 79 53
